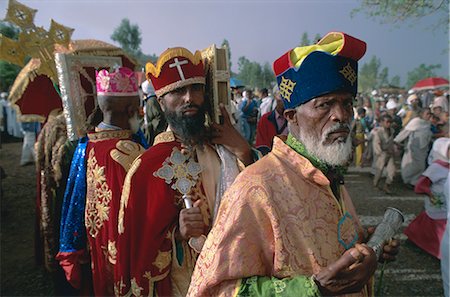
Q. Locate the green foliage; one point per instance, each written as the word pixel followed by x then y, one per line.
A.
pixel 226 44
pixel 129 37
pixel 421 72
pixel 395 81
pixel 317 37
pixel 305 39
pixel 369 74
pixel 8 71
pixel 254 75
pixel 394 11
pixel 9 30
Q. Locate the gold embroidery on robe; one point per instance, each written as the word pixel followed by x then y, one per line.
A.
pixel 162 260
pixel 98 196
pixel 126 152
pixel 101 135
pixel 135 288
pixel 167 136
pixel 126 193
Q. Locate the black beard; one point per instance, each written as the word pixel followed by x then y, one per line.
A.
pixel 190 129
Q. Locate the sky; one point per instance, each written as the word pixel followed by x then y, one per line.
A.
pixel 259 30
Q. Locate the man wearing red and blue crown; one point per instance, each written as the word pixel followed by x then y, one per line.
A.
pixel 173 190
pixel 108 155
pixel 287 226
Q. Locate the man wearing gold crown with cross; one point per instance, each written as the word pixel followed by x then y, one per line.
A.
pixel 191 165
pixel 287 226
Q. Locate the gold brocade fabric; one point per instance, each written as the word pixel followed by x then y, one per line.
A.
pixel 279 219
pixel 98 196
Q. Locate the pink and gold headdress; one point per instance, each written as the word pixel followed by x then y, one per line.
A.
pixel 120 82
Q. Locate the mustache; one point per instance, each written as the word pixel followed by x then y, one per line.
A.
pixel 337 127
pixel 190 106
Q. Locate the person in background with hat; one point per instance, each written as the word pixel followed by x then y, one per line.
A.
pixel 191 165
pixel 108 155
pixel 287 225
pixel 411 110
pixel 154 120
pixel 391 107
pixel 416 137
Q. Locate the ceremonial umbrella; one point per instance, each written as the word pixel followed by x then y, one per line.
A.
pixel 34 96
pixel 236 83
pixel 430 83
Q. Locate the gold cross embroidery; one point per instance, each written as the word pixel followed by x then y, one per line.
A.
pixel 287 88
pixel 349 73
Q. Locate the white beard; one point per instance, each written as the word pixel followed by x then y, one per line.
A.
pixel 337 153
pixel 135 123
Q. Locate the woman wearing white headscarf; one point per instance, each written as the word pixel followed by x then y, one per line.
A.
pixel 417 135
pixel 427 229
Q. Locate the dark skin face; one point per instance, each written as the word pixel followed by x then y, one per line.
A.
pixel 118 110
pixel 321 113
pixel 184 99
pixel 386 124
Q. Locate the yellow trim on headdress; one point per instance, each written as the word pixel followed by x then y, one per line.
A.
pixel 169 54
pixel 332 43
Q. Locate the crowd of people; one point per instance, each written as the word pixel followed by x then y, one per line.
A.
pixel 253 206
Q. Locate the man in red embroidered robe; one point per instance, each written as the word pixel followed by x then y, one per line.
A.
pixel 158 238
pixel 109 154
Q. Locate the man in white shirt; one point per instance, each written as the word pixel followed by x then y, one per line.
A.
pixel 268 104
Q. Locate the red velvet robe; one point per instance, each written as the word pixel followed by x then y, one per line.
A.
pixel 110 154
pixel 148 218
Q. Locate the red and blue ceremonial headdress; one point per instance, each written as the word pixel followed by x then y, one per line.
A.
pixel 330 65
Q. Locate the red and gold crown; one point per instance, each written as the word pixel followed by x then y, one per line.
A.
pixel 176 67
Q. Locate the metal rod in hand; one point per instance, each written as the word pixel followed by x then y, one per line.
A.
pixel 194 242
pixel 391 223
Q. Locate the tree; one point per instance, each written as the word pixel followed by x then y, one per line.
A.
pixel 305 40
pixel 317 37
pixel 395 81
pixel 383 77
pixel 8 71
pixel 369 74
pixel 393 11
pixel 254 75
pixel 226 44
pixel 421 72
pixel 128 36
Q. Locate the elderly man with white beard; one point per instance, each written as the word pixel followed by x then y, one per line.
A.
pixel 287 226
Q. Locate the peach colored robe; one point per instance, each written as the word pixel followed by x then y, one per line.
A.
pixel 279 218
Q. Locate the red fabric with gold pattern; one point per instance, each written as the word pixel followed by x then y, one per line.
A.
pixel 109 154
pixel 150 214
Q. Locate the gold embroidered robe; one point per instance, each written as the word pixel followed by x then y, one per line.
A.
pixel 279 218
pixel 110 154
